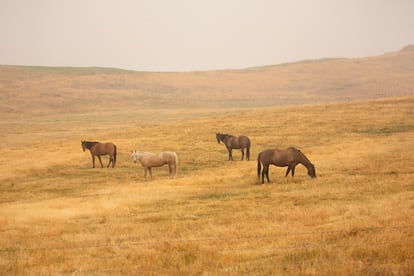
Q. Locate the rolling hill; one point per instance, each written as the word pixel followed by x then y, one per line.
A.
pixel 38 91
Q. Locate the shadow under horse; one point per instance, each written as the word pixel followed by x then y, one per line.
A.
pixel 233 142
pixel 289 157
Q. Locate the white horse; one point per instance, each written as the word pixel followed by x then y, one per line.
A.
pixel 149 160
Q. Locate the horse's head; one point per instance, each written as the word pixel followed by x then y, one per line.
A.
pixel 218 137
pixel 83 145
pixel 134 155
pixel 312 171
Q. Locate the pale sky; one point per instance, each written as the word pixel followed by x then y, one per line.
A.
pixel 188 35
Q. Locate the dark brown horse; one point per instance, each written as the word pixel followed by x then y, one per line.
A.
pixel 98 149
pixel 289 157
pixel 233 142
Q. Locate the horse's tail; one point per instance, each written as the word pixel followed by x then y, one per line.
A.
pixel 248 150
pixel 114 161
pixel 259 166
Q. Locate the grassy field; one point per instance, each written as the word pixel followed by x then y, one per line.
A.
pixel 60 216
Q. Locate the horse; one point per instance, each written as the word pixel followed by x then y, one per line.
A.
pixel 232 142
pixel 149 160
pixel 289 157
pixel 98 149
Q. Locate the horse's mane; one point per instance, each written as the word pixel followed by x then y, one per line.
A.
pixel 89 144
pixel 304 157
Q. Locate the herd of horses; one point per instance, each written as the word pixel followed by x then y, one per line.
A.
pixel 289 157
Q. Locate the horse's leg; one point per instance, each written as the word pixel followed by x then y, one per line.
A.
pixel 242 151
pixel 93 160
pixel 149 169
pixel 169 170
pixel 99 157
pixel 288 171
pixel 145 172
pixel 265 172
pixel 174 170
pixel 293 171
pixel 230 154
pixel 248 153
pixel 110 160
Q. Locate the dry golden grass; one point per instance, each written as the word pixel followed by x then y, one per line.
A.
pixel 60 216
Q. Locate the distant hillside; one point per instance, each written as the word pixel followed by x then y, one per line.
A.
pixel 34 91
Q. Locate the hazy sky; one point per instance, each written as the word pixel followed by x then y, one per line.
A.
pixel 186 35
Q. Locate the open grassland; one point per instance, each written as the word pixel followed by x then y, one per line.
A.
pixel 60 216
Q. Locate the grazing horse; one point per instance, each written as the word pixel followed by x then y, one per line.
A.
pixel 233 142
pixel 98 149
pixel 149 160
pixel 289 157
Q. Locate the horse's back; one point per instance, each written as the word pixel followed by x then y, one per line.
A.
pixel 277 157
pixel 292 152
pixel 109 145
pixel 287 156
pixel 105 148
pixel 168 156
pixel 238 142
pixel 244 140
pixel 267 155
pixel 151 159
pixel 155 160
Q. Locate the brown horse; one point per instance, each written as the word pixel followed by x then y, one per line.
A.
pixel 98 149
pixel 232 142
pixel 289 157
pixel 149 160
